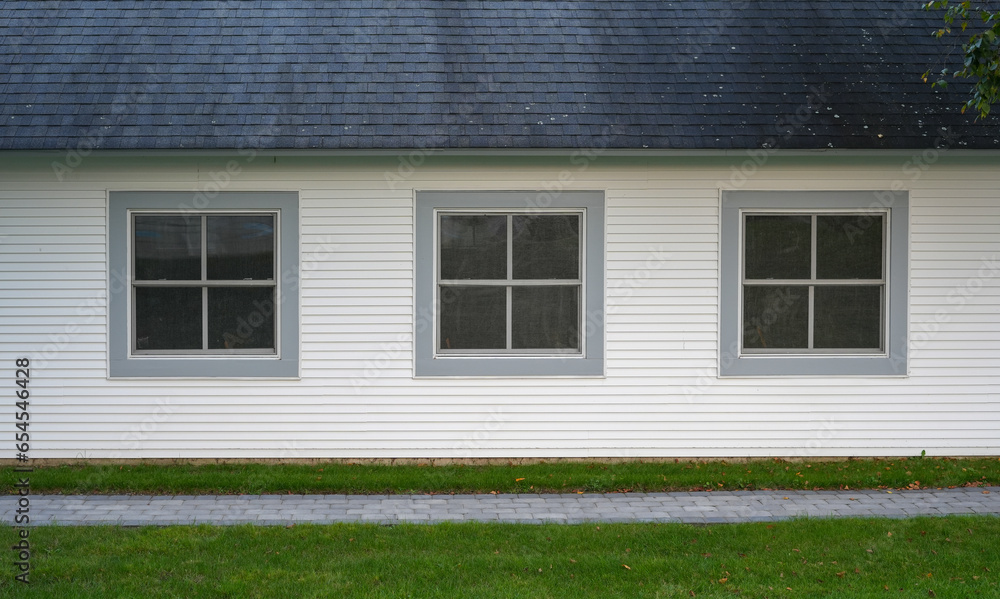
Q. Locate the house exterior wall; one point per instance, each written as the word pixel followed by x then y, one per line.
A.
pixel 357 397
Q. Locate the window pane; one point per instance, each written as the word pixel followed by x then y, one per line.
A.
pixel 848 317
pixel 849 246
pixel 546 246
pixel 167 318
pixel 240 247
pixel 775 317
pixel 473 247
pixel 778 247
pixel 473 317
pixel 545 317
pixel 241 318
pixel 167 248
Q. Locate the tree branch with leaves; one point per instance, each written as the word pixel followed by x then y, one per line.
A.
pixel 981 62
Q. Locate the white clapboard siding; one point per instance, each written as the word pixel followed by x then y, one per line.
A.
pixel 357 396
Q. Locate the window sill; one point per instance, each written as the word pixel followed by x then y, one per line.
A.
pixel 204 368
pixel 814 366
pixel 554 367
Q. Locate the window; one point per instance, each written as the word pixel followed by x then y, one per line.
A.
pixel 204 292
pixel 509 284
pixel 814 283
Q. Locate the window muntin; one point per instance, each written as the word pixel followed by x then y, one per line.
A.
pixel 892 207
pixel 587 361
pixel 184 250
pixel 814 282
pixel 204 283
pixel 510 282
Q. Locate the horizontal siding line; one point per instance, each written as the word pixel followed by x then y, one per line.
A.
pixel 34 248
pixel 349 237
pixel 517 417
pixel 326 301
pixel 12 269
pixel 333 271
pixel 663 218
pixel 339 247
pixel 677 239
pixel 709 250
pixel 656 390
pixel 37 276
pixel 24 319
pixel 37 254
pixel 44 198
pixel 317 228
pixel 512 448
pixel 320 291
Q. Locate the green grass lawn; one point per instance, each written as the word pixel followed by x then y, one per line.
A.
pixel 186 479
pixel 920 557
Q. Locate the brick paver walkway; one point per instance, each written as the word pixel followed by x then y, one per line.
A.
pixel 702 508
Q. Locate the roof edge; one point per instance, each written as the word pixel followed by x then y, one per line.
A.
pixel 513 152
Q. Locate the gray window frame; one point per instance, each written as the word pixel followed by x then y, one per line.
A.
pixel 125 362
pixel 429 362
pixel 891 361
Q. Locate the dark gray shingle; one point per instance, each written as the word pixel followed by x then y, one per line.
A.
pixel 475 74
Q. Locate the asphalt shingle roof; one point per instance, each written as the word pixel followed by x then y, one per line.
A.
pixel 396 74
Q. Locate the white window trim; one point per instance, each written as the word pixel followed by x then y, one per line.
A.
pixel 428 362
pixel 124 362
pixel 892 361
